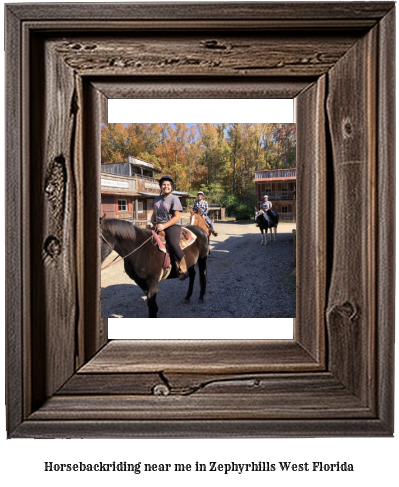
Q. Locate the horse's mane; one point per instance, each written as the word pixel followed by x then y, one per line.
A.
pixel 120 228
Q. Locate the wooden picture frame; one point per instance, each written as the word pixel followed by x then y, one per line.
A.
pixel 335 378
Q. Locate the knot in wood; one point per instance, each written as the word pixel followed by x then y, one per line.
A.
pixel 52 246
pixel 213 44
pixel 161 390
pixel 50 188
pixel 347 128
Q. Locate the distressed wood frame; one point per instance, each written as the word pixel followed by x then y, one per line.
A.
pixel 64 378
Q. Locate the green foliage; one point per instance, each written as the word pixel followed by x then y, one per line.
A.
pixel 213 193
pixel 240 208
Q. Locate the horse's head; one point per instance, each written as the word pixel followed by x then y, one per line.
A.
pixel 105 247
pixel 105 250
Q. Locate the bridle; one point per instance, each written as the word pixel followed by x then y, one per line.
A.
pixel 118 258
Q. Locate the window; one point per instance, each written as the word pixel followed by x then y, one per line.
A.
pixel 284 209
pixel 140 207
pixel 122 205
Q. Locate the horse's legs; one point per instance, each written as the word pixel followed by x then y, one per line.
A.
pixel 152 300
pixel 264 237
pixel 202 277
pixel 262 242
pixel 191 275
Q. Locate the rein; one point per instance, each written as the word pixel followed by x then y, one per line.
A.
pixel 119 257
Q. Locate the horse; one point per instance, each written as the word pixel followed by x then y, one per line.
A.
pixel 143 260
pixel 199 221
pixel 265 225
pixel 105 250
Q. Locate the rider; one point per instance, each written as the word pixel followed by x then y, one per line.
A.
pixel 265 206
pixel 166 217
pixel 202 207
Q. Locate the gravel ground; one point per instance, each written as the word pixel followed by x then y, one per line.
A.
pixel 245 280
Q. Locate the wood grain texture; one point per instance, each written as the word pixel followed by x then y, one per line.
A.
pixel 191 428
pixel 200 356
pixel 177 87
pixel 385 245
pixel 53 207
pixel 16 252
pixel 311 248
pixel 95 329
pixel 351 109
pixel 359 14
pixel 217 55
pixel 71 382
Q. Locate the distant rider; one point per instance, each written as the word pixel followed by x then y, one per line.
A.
pixel 201 206
pixel 265 206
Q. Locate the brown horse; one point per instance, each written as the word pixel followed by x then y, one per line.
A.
pixel 144 261
pixel 198 220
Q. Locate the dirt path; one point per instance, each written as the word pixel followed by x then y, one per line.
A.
pixel 245 280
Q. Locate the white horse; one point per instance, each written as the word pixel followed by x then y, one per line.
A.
pixel 264 224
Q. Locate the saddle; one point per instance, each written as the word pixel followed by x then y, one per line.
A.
pixel 187 238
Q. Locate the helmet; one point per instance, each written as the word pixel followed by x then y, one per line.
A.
pixel 200 192
pixel 166 178
pixel 265 196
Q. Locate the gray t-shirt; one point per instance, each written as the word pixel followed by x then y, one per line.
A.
pixel 164 208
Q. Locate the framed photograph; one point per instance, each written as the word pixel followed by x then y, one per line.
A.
pixel 65 378
pixel 234 165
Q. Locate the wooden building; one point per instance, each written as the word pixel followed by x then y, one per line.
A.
pixel 280 186
pixel 128 190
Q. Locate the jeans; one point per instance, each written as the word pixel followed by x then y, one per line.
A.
pixel 209 221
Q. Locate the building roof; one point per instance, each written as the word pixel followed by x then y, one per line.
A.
pixel 182 193
pixel 139 162
pixel 113 193
pixel 142 193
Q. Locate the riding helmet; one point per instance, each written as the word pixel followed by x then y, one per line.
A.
pixel 265 196
pixel 200 192
pixel 166 178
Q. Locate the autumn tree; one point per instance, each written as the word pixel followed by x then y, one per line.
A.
pixel 220 157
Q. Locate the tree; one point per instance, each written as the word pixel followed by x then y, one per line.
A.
pixel 219 158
